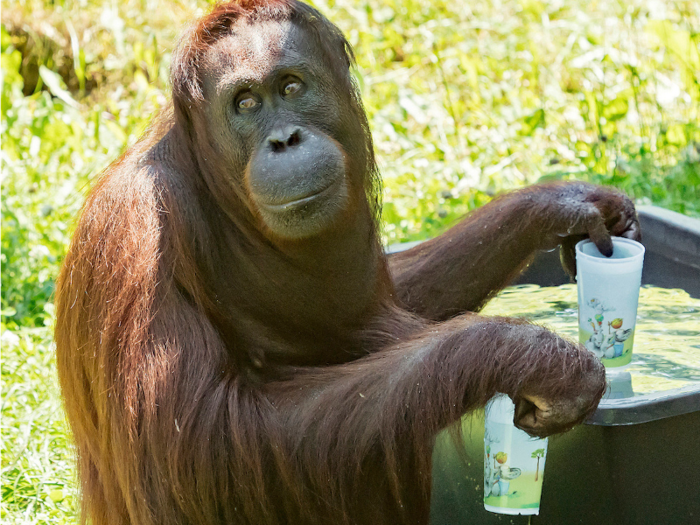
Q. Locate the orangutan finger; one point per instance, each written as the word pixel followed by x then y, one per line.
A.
pixel 567 254
pixel 633 231
pixel 600 236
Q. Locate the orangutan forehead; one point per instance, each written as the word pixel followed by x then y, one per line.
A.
pixel 254 51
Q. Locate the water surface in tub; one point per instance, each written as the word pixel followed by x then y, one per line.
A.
pixel 667 339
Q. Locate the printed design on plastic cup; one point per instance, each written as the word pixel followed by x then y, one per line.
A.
pixel 498 479
pixel 513 469
pixel 609 337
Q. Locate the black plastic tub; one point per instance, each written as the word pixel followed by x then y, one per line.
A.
pixel 637 461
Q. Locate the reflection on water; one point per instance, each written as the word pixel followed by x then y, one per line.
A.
pixel 666 340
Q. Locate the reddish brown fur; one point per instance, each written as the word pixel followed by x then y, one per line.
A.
pixel 211 375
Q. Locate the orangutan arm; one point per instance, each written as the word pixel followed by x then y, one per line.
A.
pixel 461 269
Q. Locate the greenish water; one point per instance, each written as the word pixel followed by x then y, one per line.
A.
pixel 666 351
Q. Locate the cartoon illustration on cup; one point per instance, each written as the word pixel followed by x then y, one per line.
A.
pixel 511 489
pixel 608 337
pixel 501 475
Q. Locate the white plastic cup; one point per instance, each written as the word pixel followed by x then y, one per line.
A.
pixel 513 462
pixel 608 294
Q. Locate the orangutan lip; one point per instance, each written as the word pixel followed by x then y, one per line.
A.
pixel 300 203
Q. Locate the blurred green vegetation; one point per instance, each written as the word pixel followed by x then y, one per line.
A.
pixel 465 99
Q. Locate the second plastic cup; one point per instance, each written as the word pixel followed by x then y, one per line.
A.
pixel 608 294
pixel 513 462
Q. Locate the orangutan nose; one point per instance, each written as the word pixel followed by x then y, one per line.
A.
pixel 285 137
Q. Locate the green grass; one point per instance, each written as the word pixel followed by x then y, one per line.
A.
pixel 465 99
pixel 38 480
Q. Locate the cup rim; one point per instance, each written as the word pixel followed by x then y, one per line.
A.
pixel 605 260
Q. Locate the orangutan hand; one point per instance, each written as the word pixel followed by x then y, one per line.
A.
pixel 576 211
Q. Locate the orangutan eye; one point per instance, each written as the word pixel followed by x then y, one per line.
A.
pixel 247 102
pixel 291 86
